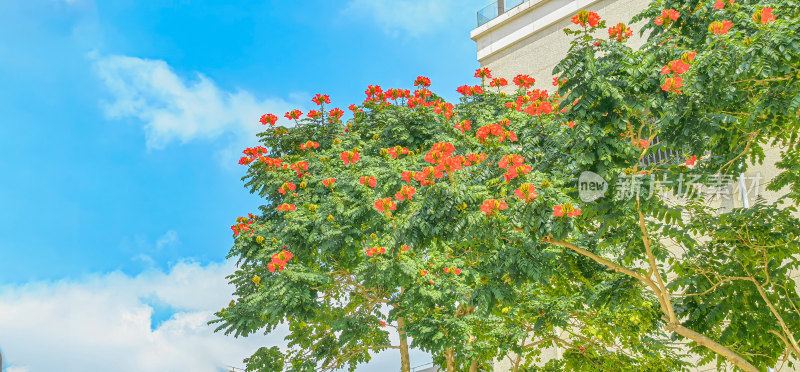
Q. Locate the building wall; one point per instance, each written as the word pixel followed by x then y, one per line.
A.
pixel 529 39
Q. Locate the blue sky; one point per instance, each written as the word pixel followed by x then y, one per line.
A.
pixel 120 125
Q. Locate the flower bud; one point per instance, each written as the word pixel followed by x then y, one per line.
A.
pixel 384 152
pixel 260 239
pixel 336 141
pixel 303 185
pixel 330 217
pixel 374 136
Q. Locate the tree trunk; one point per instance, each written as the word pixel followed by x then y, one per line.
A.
pixel 405 364
pixel 451 360
pixel 473 367
pixel 713 345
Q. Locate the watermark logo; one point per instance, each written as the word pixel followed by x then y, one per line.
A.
pixel 591 186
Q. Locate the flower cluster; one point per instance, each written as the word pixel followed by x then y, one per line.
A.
pixel 252 153
pixel 557 81
pixel 294 114
pixel 287 186
pixel 720 27
pixel 405 193
pixel 452 270
pixel 385 205
pixel 467 90
pixel 524 81
pixel 328 182
pixel 268 119
pixel 567 208
pixel 375 251
pixel 422 82
pixel 667 17
pixel 309 145
pixel 620 32
pixel 514 165
pixel 335 114
pixel 497 131
pixel 498 82
pixel 443 108
pixel 350 157
pixel 492 206
pixel 368 181
pixel 279 260
pixel 764 15
pixel 464 126
pixel 299 167
pixel 719 4
pixel 243 224
pixel 319 99
pixel 483 73
pixel 526 192
pixel 286 207
pixel 583 18
pixel 396 151
pixel 675 68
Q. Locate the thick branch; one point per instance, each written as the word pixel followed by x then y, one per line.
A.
pixel 713 346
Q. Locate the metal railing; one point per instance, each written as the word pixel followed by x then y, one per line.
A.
pixel 495 9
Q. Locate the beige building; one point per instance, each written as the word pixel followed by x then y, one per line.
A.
pixel 526 37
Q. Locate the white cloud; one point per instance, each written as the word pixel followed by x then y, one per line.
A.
pixel 168 239
pixel 413 17
pixel 177 109
pixel 103 323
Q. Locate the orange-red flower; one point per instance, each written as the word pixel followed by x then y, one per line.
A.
pixel 474 159
pixel 314 114
pixel 405 193
pixel 335 114
pixel 279 260
pixel 368 181
pixel 385 204
pixel 294 114
pixel 375 251
pixel 524 81
pixel 407 176
pixel 467 90
pixel 692 160
pixel 483 73
pixel 268 119
pixel 498 82
pixel 394 152
pixel 422 82
pixel 286 207
pixel 570 124
pixel 667 16
pixel 559 81
pixel 673 84
pixel 620 32
pixel 720 28
pixel 764 15
pixel 321 98
pixel 583 18
pixel 287 186
pixel 526 192
pixel 350 157
pixel 676 67
pixel 328 182
pixel 309 145
pixel 492 206
pixel 512 160
pixel 464 126
pixel 567 208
